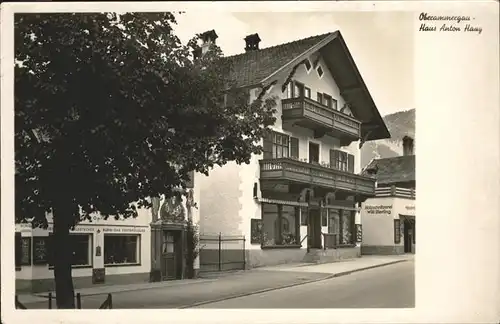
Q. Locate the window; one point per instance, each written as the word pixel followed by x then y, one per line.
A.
pixel 81 247
pixel 298 90
pixel 327 100
pixel 294 148
pixel 341 223
pixel 342 161
pixel 280 225
pixel 313 152
pixel 289 90
pixel 276 145
pixel 334 104
pixel 334 224
pixel 307 92
pixel 121 249
pixel 320 71
pixel 22 250
pixel 308 65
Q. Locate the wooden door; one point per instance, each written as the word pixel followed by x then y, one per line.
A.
pixel 169 257
pixel 314 228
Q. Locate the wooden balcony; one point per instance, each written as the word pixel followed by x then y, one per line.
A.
pixel 311 114
pixel 287 170
pixel 395 192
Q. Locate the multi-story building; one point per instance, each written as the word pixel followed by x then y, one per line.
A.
pixel 300 199
pixel 389 217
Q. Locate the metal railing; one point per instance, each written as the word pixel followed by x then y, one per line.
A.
pixel 107 304
pixel 222 253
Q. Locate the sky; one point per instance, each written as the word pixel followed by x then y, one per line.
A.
pixel 381 43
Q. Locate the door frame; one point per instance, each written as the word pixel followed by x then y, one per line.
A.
pixel 314 228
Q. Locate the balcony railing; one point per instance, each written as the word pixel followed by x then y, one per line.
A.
pixel 312 114
pixel 288 169
pixel 394 191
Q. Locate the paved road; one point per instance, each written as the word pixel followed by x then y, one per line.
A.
pixel 385 287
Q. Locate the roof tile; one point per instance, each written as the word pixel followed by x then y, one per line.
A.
pixel 252 67
pixel 393 170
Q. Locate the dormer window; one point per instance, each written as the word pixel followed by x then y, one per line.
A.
pixel 308 65
pixel 319 69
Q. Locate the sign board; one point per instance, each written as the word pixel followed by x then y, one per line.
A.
pixel 378 209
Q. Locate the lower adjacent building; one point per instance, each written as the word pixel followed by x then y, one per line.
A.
pixel 389 218
pixel 150 247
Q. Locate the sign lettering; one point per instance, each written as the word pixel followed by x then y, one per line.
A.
pixel 379 209
pixel 92 229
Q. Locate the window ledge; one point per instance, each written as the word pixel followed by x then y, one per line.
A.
pixel 75 267
pixel 290 246
pixel 113 265
pixel 343 246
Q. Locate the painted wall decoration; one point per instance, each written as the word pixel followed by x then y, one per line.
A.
pixel 397 231
pixel 255 231
pixel 40 250
pixel 172 210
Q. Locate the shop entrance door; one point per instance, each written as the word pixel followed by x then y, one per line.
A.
pixel 171 265
pixel 408 234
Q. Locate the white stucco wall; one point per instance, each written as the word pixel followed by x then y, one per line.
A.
pixel 377 219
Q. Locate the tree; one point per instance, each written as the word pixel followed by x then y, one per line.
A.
pixel 111 109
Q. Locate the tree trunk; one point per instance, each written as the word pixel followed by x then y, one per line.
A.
pixel 62 257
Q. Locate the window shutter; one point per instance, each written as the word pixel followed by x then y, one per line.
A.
pixel 267 146
pixel 350 163
pixel 294 148
pixel 332 159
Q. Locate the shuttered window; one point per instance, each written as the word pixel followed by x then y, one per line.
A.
pixel 294 148
pixel 319 98
pixel 276 145
pixel 350 163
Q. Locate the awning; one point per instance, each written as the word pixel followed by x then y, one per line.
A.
pixel 282 202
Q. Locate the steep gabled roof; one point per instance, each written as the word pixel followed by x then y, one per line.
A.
pixel 258 68
pixel 393 170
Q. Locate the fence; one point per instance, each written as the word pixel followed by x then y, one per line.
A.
pixel 222 253
pixel 107 304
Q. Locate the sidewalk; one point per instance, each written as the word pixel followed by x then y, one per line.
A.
pixel 189 293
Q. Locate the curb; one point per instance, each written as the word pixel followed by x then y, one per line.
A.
pixel 45 294
pixel 335 275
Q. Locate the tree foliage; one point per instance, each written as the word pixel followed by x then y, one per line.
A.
pixel 111 109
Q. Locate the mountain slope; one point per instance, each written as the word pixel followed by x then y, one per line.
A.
pixel 399 124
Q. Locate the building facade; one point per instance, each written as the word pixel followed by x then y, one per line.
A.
pixel 149 247
pixel 300 199
pixel 389 223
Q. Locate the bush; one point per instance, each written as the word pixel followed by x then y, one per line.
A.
pixel 192 248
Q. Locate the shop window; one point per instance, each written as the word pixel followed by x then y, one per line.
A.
pixel 280 225
pixel 121 249
pixel 341 223
pixel 81 250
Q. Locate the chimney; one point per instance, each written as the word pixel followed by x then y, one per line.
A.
pixel 208 39
pixel 252 42
pixel 407 146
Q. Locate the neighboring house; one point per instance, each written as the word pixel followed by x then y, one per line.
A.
pixel 389 218
pixel 150 247
pixel 300 199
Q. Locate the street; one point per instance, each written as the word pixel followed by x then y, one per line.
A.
pixel 389 286
pixel 385 287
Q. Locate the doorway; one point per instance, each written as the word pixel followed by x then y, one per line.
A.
pixel 314 228
pixel 171 260
pixel 409 234
pixel 313 153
